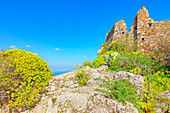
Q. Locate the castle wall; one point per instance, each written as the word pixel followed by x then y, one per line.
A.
pixel 144 35
pixel 117 32
pixel 150 34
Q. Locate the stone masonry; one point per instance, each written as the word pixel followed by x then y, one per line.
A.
pixel 145 33
pixel 117 32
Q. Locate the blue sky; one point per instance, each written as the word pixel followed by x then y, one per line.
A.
pixel 64 32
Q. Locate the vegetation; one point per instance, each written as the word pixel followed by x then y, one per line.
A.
pixel 110 58
pixel 23 77
pixel 54 100
pixel 153 65
pixel 99 61
pixel 121 90
pixel 104 48
pixel 121 46
pixel 131 61
pixel 82 75
pixel 155 85
pixel 90 64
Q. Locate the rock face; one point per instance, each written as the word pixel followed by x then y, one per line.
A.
pixel 68 79
pixel 81 100
pixel 65 96
pixel 145 34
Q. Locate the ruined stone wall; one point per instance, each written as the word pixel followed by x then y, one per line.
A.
pixel 117 32
pixel 132 36
pixel 145 34
pixel 150 34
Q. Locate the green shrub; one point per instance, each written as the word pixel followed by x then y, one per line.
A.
pixel 115 46
pixel 27 76
pixel 110 58
pixel 99 61
pixel 82 76
pixel 130 61
pixel 90 64
pixel 121 90
pixel 54 100
pixel 5 71
pixel 121 46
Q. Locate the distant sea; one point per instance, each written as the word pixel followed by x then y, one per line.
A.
pixel 58 72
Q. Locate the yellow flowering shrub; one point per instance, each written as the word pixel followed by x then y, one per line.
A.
pixel 90 64
pixel 99 61
pixel 82 76
pixel 135 70
pixel 155 85
pixel 24 77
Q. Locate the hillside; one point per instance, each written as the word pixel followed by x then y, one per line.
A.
pixel 130 75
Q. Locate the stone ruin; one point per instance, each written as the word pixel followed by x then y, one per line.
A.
pixel 145 33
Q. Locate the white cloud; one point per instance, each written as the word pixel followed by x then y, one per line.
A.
pixel 35 53
pixel 27 45
pixel 57 49
pixel 84 56
pixel 12 47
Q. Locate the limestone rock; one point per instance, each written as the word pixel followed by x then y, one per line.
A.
pixel 68 97
pixel 81 100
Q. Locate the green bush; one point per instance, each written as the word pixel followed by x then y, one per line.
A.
pixel 82 76
pixel 27 76
pixel 121 90
pixel 99 61
pixel 90 64
pixel 130 61
pixel 121 46
pixel 115 46
pixel 110 58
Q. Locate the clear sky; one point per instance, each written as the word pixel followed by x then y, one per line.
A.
pixel 64 32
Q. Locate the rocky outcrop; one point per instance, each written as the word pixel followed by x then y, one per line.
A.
pixel 81 100
pixel 68 79
pixel 65 96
